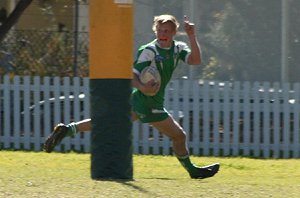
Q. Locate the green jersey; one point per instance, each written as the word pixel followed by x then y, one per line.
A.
pixel 166 61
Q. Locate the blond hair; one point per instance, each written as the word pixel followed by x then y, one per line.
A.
pixel 164 19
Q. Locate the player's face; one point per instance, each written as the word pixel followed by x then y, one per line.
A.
pixel 165 33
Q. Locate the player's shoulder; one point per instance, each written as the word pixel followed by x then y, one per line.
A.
pixel 148 47
pixel 146 52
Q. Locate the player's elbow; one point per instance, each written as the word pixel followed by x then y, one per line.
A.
pixel 194 59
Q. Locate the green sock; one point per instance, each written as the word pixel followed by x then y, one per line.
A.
pixel 186 163
pixel 72 129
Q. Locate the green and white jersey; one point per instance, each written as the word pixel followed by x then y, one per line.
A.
pixel 166 61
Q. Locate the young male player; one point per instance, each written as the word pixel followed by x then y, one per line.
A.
pixel 165 53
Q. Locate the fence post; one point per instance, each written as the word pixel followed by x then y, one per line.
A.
pixel 276 121
pixel 296 138
pixel 286 120
pixel 17 123
pixel 266 120
pixel 7 113
pixel 36 119
pixel 246 118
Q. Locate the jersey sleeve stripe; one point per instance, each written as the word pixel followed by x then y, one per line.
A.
pixel 146 55
pixel 136 71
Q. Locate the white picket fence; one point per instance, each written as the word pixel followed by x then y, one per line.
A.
pixel 221 119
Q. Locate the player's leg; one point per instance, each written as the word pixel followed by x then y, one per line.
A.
pixel 61 131
pixel 173 130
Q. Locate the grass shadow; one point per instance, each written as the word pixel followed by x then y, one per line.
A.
pixel 127 182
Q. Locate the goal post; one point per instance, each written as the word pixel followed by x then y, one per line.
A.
pixel 110 60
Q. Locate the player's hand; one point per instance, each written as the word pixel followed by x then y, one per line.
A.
pixel 150 88
pixel 189 27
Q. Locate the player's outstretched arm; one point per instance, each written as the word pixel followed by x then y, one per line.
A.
pixel 195 56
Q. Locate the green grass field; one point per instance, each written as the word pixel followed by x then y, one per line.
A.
pixel 30 174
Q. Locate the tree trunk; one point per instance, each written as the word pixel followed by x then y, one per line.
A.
pixel 13 17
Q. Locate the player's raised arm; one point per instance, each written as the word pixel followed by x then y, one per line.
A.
pixel 195 56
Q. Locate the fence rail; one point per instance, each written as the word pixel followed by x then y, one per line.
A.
pixel 220 118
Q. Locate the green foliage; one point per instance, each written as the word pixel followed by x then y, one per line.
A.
pixel 45 53
pixel 248 40
pixel 210 71
pixel 245 38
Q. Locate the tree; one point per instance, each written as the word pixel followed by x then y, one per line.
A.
pixel 13 17
pixel 249 36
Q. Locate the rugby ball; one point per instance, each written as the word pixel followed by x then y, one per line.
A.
pixel 150 73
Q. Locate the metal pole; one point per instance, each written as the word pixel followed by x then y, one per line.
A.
pixel 75 50
pixel 284 40
pixel 192 19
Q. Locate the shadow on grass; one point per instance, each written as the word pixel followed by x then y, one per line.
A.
pixel 126 182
